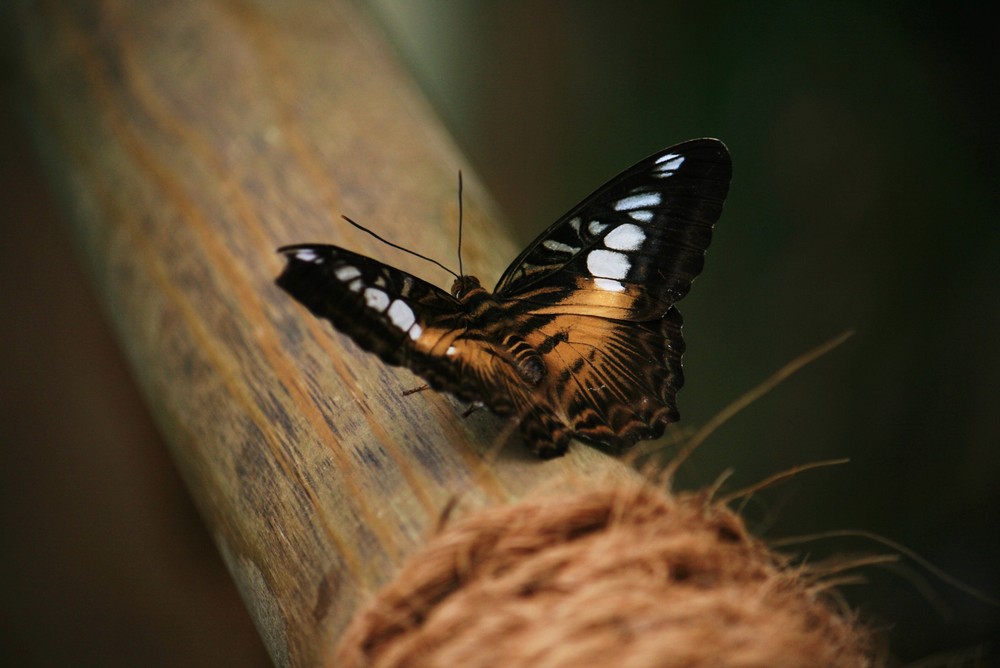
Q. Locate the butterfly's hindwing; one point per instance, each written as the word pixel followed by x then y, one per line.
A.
pixel 614 382
pixel 581 337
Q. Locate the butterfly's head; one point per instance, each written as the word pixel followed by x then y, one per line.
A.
pixel 464 286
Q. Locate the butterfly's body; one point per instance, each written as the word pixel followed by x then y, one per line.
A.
pixel 580 338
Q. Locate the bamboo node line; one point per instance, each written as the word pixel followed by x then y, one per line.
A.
pixel 622 575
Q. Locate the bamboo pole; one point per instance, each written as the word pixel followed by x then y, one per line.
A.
pixel 188 139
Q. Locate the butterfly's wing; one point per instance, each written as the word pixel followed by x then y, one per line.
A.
pixel 612 382
pixel 402 319
pixel 599 288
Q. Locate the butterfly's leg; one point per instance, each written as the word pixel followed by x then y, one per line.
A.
pixel 473 407
pixel 414 390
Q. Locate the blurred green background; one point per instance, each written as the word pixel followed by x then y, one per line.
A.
pixel 865 196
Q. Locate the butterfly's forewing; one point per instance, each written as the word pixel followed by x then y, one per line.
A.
pixel 631 249
pixel 400 318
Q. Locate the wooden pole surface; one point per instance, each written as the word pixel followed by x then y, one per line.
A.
pixel 188 139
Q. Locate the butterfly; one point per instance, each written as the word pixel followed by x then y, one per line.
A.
pixel 580 339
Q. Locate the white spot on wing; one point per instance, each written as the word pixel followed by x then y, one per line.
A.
pixel 346 273
pixel 415 332
pixel 554 245
pixel 641 215
pixel 643 201
pixel 669 157
pixel 451 350
pixel 595 227
pixel 609 285
pixel 401 315
pixel 376 299
pixel 306 255
pixel 356 286
pixel 607 264
pixel 627 237
pixel 668 164
pixel 575 224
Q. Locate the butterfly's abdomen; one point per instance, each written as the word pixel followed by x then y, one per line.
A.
pixel 491 319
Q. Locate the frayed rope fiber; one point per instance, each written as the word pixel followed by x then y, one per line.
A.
pixel 628 577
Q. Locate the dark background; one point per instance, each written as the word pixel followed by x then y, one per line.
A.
pixel 865 197
pixel 104 560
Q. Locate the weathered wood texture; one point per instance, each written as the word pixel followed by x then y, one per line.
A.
pixel 187 139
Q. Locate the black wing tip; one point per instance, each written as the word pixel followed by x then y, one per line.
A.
pixel 704 147
pixel 297 277
pixel 708 160
pixel 715 147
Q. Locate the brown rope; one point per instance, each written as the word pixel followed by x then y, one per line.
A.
pixel 609 577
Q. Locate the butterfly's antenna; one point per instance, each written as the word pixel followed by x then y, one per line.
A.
pixel 398 247
pixel 460 223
